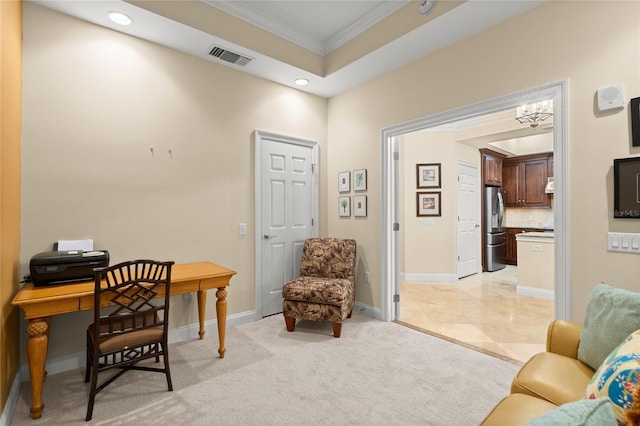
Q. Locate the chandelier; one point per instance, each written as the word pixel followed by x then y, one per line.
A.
pixel 534 113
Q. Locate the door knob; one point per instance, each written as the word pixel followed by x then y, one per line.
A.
pixel 267 236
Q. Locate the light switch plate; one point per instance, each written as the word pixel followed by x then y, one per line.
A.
pixel 623 242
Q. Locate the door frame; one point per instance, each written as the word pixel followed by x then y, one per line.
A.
pixel 390 222
pixel 478 249
pixel 258 137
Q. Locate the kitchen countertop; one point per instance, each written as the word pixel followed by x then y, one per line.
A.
pixel 537 236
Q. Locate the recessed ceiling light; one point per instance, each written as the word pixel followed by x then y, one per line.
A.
pixel 302 81
pixel 120 18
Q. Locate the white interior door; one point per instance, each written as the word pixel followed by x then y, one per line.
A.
pixel 468 223
pixel 287 214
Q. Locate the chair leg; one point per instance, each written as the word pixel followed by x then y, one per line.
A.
pixel 291 323
pixel 92 395
pixel 337 328
pixel 167 372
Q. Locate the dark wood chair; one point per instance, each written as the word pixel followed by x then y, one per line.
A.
pixel 135 328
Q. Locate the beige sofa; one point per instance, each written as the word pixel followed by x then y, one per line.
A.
pixel 547 380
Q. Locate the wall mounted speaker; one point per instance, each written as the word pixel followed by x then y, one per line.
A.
pixel 611 97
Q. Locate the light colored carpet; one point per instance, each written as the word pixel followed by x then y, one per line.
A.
pixel 377 373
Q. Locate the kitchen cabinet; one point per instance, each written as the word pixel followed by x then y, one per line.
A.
pixel 491 167
pixel 524 179
pixel 512 244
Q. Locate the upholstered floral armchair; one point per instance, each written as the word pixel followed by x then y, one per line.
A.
pixel 325 289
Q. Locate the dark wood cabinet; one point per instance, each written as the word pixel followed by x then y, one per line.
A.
pixel 512 243
pixel 491 167
pixel 524 180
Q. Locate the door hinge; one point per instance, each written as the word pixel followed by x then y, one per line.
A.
pixel 313 169
pixel 396 298
pixel 396 156
pixel 396 226
pixel 312 221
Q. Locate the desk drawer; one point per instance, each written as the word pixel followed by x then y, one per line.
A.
pixel 50 307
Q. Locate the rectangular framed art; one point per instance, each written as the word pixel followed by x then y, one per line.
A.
pixel 634 107
pixel 428 204
pixel 428 175
pixel 626 188
pixel 344 182
pixel 360 206
pixel 344 206
pixel 360 180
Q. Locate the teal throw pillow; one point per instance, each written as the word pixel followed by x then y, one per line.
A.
pixel 586 412
pixel 612 314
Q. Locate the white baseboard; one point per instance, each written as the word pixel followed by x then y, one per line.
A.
pixel 432 278
pixel 10 406
pixel 535 292
pixel 180 334
pixel 368 310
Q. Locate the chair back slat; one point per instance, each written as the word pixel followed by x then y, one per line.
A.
pixel 136 289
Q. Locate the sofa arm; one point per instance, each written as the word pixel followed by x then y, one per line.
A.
pixel 563 338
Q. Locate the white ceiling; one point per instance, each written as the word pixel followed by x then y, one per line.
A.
pixel 319 26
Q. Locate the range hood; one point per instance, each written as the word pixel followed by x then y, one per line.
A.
pixel 549 188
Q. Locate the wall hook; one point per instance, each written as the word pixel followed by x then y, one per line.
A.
pixel 171 154
pixel 151 149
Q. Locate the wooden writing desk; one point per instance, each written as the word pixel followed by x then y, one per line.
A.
pixel 41 303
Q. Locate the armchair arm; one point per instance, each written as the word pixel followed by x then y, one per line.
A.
pixel 563 338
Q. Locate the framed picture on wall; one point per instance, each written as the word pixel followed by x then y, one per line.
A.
pixel 360 180
pixel 344 206
pixel 344 181
pixel 428 175
pixel 428 204
pixel 626 188
pixel 360 206
pixel 634 107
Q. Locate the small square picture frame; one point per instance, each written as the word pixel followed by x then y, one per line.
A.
pixel 360 206
pixel 344 182
pixel 428 175
pixel 360 180
pixel 344 206
pixel 428 204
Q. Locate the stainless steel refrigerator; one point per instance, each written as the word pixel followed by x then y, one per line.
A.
pixel 495 238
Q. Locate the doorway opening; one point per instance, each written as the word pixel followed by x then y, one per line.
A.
pixel 391 220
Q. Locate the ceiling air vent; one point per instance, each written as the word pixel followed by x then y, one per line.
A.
pixel 229 56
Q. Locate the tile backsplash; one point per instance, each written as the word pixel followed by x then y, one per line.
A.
pixel 528 218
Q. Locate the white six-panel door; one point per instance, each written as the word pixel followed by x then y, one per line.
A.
pixel 287 216
pixel 468 221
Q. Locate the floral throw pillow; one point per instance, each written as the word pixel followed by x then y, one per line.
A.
pixel 618 376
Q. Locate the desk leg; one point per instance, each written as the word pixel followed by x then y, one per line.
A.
pixel 202 309
pixel 38 332
pixel 221 312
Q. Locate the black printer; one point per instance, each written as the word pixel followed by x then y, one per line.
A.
pixel 58 267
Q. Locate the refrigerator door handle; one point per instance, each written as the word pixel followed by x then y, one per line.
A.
pixel 500 209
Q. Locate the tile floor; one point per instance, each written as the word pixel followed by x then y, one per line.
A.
pixel 482 312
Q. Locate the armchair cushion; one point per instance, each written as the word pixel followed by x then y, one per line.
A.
pixel 563 338
pixel 331 291
pixel 612 314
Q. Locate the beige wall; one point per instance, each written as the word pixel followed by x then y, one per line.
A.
pixel 554 41
pixel 429 245
pixel 10 80
pixel 95 103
